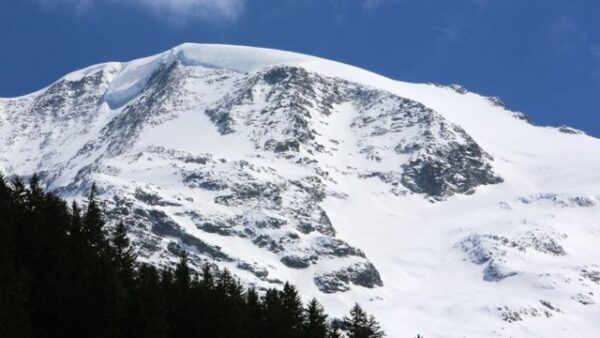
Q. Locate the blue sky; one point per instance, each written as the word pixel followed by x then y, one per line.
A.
pixel 541 57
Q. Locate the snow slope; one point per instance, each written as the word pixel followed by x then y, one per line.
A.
pixel 439 210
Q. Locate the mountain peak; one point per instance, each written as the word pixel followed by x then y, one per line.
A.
pixel 281 166
pixel 239 58
pixel 130 77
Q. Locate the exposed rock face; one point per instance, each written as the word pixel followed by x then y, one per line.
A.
pixel 362 274
pixel 560 200
pixel 269 196
pixel 496 101
pixel 459 168
pixel 442 160
pixel 495 272
pixel 591 273
pixel 496 251
pixel 570 130
pixel 546 310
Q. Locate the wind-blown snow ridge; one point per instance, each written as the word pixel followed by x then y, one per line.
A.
pixel 440 210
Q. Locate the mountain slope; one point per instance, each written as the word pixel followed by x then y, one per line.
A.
pixel 442 211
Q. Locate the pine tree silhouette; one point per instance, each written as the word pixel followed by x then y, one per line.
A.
pixel 124 254
pixel 93 221
pixel 60 276
pixel 361 325
pixel 315 325
pixel 292 311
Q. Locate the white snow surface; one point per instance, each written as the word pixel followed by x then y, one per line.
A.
pixel 540 226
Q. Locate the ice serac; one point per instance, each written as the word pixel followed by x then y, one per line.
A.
pixel 429 204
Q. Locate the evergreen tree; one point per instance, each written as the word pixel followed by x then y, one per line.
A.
pixel 292 311
pixel 14 314
pixel 35 193
pixel 147 309
pixel 273 315
pixel 18 193
pixel 228 305
pixel 253 324
pixel 315 325
pixel 360 325
pixel 208 280
pixel 124 254
pixel 357 323
pixel 181 319
pixel 182 274
pixel 93 221
pixel 76 223
pixel 374 328
pixel 334 330
pixel 123 259
pixel 61 277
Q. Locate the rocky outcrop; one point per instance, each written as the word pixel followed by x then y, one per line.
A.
pixel 496 251
pixel 361 274
pixel 271 196
pixel 442 159
pixel 560 200
pixel 510 315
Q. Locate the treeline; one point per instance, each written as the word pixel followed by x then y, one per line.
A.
pixel 62 275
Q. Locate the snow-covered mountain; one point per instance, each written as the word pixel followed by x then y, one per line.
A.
pixel 439 210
